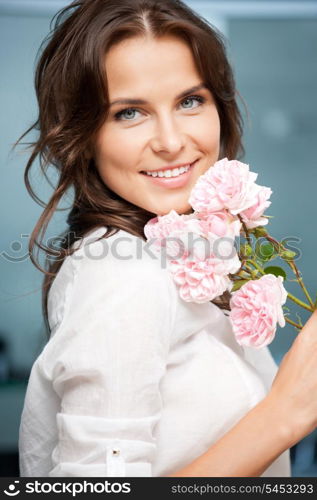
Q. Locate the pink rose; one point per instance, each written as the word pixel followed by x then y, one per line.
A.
pixel 253 216
pixel 221 224
pixel 256 308
pixel 226 185
pixel 200 251
pixel 161 226
pixel 202 272
pixel 220 229
pixel 179 234
pixel 169 231
pixel 202 280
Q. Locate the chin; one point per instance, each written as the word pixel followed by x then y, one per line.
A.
pixel 180 209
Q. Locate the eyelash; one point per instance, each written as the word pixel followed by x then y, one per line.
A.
pixel 198 98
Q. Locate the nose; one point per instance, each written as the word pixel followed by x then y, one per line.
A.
pixel 168 136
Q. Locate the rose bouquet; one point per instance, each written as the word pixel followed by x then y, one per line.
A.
pixel 205 259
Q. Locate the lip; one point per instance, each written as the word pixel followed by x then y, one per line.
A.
pixel 172 182
pixel 170 167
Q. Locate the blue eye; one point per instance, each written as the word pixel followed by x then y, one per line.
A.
pixel 121 113
pixel 198 98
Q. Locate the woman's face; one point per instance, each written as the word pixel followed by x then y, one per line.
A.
pixel 166 123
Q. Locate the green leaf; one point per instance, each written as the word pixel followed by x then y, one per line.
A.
pixel 276 270
pixel 265 251
pixel 238 284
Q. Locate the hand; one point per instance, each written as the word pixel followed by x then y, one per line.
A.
pixel 294 388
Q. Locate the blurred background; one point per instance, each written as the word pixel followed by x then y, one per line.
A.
pixel 272 47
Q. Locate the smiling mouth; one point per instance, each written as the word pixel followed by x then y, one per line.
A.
pixel 170 173
pixel 168 181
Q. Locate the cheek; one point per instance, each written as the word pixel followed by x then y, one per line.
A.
pixel 207 132
pixel 118 149
pixel 212 129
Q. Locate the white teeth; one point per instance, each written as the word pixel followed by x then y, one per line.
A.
pixel 169 173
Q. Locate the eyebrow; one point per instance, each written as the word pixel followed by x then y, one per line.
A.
pixel 142 101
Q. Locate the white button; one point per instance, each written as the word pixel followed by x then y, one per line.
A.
pixel 115 451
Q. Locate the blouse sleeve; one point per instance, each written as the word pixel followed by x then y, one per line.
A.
pixel 107 358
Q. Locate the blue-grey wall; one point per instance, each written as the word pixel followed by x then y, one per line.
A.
pixel 275 60
pixel 275 63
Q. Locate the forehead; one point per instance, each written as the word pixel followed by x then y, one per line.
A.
pixel 142 64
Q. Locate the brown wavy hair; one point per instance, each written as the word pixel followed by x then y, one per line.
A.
pixel 73 103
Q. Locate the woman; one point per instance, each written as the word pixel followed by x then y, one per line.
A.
pixel 136 101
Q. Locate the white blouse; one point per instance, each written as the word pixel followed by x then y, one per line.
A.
pixel 134 381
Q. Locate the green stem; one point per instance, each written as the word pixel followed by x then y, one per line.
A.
pixel 245 229
pixel 251 272
pixel 293 323
pixel 300 302
pixel 294 268
pixel 275 243
pixel 243 275
pixel 257 266
pixel 300 281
